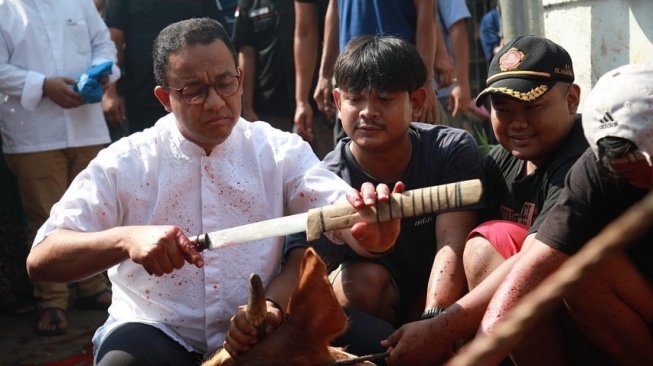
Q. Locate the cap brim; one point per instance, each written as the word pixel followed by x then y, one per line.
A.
pixel 526 90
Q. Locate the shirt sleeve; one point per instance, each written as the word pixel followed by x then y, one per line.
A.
pixel 16 81
pixel 570 223
pixel 452 11
pixel 103 48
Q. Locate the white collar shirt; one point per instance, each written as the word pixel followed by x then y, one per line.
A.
pixel 158 177
pixel 41 39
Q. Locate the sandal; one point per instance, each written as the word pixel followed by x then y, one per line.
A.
pixel 93 302
pixel 55 319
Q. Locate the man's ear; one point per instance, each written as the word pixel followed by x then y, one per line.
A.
pixel 573 98
pixel 417 98
pixel 163 96
pixel 337 93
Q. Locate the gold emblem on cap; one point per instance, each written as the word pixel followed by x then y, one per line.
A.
pixel 511 59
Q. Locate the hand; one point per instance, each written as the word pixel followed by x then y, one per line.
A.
pixel 418 343
pixel 443 70
pixel 429 114
pixel 59 91
pixel 374 237
pixel 242 336
pixel 324 97
pixel 161 249
pixel 460 99
pixel 113 107
pixel 304 121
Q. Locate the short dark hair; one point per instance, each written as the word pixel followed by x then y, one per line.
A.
pixel 384 63
pixel 186 33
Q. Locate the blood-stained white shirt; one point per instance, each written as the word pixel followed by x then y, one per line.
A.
pixel 158 177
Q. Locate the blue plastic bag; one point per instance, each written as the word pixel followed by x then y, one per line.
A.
pixel 89 83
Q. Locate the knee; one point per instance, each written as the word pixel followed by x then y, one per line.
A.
pixel 366 286
pixel 479 257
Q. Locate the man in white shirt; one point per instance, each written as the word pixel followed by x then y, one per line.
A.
pixel 48 133
pixel 200 168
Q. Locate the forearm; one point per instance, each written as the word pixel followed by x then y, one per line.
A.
pixel 447 281
pixel 305 50
pixel 537 261
pixel 474 304
pixel 330 46
pixel 425 39
pixel 460 51
pixel 283 285
pixel 67 256
pixel 118 38
pixel 247 61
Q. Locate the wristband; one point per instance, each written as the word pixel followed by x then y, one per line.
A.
pixel 431 313
pixel 276 305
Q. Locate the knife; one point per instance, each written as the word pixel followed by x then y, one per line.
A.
pixel 416 202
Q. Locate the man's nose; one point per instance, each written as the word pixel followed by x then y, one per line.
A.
pixel 369 111
pixel 519 120
pixel 213 99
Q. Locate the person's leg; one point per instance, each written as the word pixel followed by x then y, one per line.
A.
pixel 543 345
pixel 488 245
pixel 364 334
pixel 368 287
pixel 613 307
pixel 141 344
pixel 93 289
pixel 42 179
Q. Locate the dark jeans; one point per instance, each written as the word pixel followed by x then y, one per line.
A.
pixel 364 334
pixel 142 344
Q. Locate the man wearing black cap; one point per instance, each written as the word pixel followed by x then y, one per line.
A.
pixel 534 104
pixel 613 304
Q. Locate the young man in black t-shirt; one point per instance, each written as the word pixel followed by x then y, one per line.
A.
pixel 380 90
pixel 613 305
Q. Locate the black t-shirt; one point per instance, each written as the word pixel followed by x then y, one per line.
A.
pixel 440 155
pixel 590 200
pixel 268 26
pixel 141 21
pixel 528 199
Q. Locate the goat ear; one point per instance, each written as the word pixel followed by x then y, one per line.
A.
pixel 313 304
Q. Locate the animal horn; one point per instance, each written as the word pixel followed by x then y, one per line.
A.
pixel 256 308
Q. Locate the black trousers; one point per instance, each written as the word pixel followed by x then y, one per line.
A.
pixel 142 344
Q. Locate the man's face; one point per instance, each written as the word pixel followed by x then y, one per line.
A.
pixel 377 121
pixel 531 130
pixel 209 123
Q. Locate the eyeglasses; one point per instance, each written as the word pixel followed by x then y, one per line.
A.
pixel 195 93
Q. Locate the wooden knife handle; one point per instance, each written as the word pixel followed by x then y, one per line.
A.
pixel 416 202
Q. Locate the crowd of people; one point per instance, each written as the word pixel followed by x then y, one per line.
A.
pixel 212 119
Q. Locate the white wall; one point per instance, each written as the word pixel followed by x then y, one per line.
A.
pixel 600 34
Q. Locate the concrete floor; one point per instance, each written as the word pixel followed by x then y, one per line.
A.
pixel 19 346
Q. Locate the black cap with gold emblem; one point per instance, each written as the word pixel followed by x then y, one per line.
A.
pixel 527 68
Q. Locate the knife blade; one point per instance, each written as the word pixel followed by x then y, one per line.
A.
pixel 411 203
